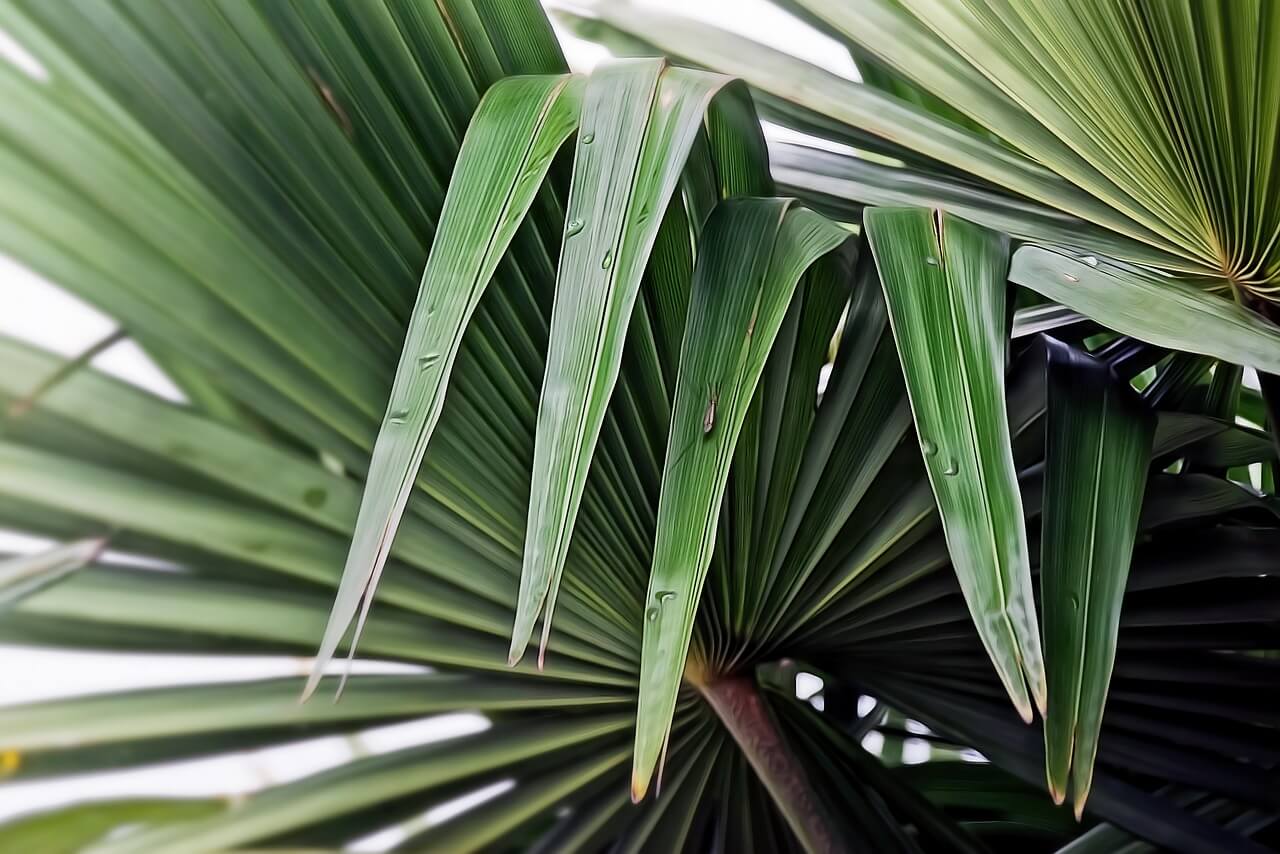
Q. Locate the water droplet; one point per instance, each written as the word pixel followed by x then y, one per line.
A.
pixel 651 614
pixel 928 447
pixel 664 596
pixel 399 416
pixel 1073 602
pixel 643 216
pixel 574 226
pixel 953 467
pixel 588 138
pixel 431 309
pixel 931 261
pixel 607 261
pixel 1091 260
pixel 425 362
pixel 1069 277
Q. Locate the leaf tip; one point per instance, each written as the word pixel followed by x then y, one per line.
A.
pixel 313 681
pixel 639 786
pixel 1024 710
pixel 1040 694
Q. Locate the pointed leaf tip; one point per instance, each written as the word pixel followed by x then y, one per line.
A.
pixel 781 243
pixel 644 118
pixel 639 786
pixel 514 134
pixel 944 281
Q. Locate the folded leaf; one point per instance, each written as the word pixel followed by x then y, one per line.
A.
pixel 639 122
pixel 513 136
pixel 944 282
pixel 754 253
pixel 1098 445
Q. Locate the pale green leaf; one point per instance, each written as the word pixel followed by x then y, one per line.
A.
pixel 1158 309
pixel 23 575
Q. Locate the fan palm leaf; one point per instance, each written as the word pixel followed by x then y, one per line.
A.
pixel 603 389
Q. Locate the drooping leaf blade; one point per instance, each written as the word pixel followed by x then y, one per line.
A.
pixel 514 134
pixel 639 122
pixel 754 254
pixel 1098 444
pixel 944 282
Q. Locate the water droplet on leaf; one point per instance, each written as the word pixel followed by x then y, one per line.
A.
pixel 1091 260
pixel 931 261
pixel 399 416
pixel 425 362
pixel 928 447
pixel 574 226
pixel 952 468
pixel 607 261
pixel 664 596
pixel 588 138
pixel 651 614
pixel 1069 277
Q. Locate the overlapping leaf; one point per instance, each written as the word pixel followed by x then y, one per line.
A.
pixel 26 574
pixel 944 282
pixel 517 128
pixel 1098 445
pixel 1156 309
pixel 730 330
pixel 639 123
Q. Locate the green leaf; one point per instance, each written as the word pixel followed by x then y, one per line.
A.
pixel 367 782
pixel 842 183
pixel 76 828
pixel 944 282
pixel 639 122
pixel 514 134
pixel 731 327
pixel 1159 310
pixel 26 574
pixel 903 39
pixel 1098 444
pixel 864 108
pixel 481 828
pixel 268 703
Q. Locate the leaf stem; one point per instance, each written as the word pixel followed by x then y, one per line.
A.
pixel 741 708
